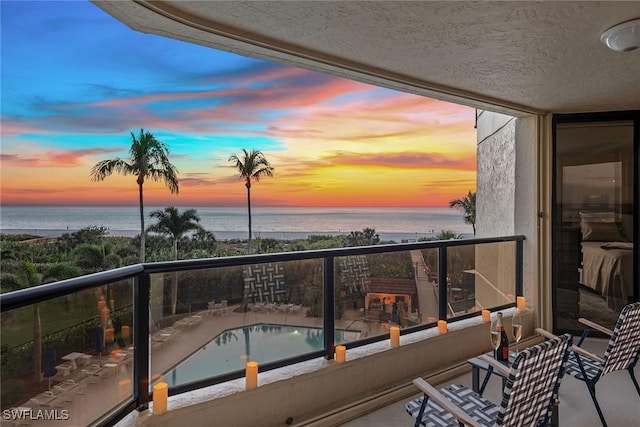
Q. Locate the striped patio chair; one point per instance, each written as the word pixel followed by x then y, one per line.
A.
pixel 527 399
pixel 621 353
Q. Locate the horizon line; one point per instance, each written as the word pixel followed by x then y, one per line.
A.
pixel 217 206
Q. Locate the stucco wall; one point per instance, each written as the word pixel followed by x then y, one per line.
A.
pixel 506 200
pixel 526 201
pixel 495 200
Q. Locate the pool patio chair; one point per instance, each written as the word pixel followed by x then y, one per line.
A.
pixel 527 399
pixel 48 399
pixel 621 353
pixel 71 387
pixel 93 373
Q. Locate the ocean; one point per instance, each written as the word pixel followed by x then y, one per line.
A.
pixel 286 223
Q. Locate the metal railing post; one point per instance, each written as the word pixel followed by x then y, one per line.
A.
pixel 329 309
pixel 519 267
pixel 442 283
pixel 141 307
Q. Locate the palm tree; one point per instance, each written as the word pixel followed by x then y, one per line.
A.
pixel 366 237
pixel 447 235
pixel 252 166
pixel 27 276
pixel 149 160
pixel 468 206
pixel 175 224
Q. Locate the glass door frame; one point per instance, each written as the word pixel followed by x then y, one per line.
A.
pixel 612 116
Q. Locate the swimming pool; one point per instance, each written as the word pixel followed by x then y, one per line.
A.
pixel 262 343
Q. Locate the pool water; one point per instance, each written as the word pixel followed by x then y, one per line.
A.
pixel 262 343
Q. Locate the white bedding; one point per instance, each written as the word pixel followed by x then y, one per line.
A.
pixel 609 271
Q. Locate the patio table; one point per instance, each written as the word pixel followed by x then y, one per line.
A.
pixel 83 359
pixel 72 357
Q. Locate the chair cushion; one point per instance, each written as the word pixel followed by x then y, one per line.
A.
pixel 593 369
pixel 481 409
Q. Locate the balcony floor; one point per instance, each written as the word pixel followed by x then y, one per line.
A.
pixel 617 396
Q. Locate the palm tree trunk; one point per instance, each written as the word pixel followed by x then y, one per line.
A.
pixel 244 306
pixel 37 344
pixel 142 232
pixel 249 209
pixel 174 283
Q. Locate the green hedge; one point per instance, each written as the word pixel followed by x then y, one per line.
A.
pixel 80 337
pixel 12 391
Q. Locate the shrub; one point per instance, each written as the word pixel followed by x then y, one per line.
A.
pixel 13 391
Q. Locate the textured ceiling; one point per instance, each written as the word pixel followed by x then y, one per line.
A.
pixel 529 56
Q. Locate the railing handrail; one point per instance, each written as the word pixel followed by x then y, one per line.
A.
pixel 36 294
pixel 24 297
pixel 141 286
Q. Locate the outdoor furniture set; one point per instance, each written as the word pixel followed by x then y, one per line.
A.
pixel 531 381
pixel 217 308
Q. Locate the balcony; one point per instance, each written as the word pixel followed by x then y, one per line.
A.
pixel 105 339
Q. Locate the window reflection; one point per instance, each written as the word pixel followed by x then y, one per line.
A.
pixel 593 270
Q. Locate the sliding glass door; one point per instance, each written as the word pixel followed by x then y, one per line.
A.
pixel 595 218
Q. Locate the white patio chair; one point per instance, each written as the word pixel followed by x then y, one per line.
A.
pixel 527 399
pixel 621 354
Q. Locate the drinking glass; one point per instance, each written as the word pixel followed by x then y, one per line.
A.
pixel 516 322
pixel 495 338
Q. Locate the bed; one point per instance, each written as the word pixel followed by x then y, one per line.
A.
pixel 607 263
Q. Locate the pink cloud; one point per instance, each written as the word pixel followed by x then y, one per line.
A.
pixel 10 127
pixel 59 159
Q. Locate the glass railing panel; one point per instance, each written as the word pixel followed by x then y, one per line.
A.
pixel 426 267
pixel 68 358
pixel 376 291
pixel 460 287
pixel 480 277
pixel 227 316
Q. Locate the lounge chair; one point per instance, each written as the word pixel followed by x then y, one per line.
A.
pixel 93 373
pixel 48 399
pixel 527 399
pixel 621 353
pixel 195 320
pixel 71 387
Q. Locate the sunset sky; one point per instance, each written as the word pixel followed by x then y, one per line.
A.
pixel 76 82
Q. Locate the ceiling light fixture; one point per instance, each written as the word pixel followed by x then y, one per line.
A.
pixel 623 37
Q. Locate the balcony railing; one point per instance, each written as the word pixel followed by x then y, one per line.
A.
pixel 89 349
